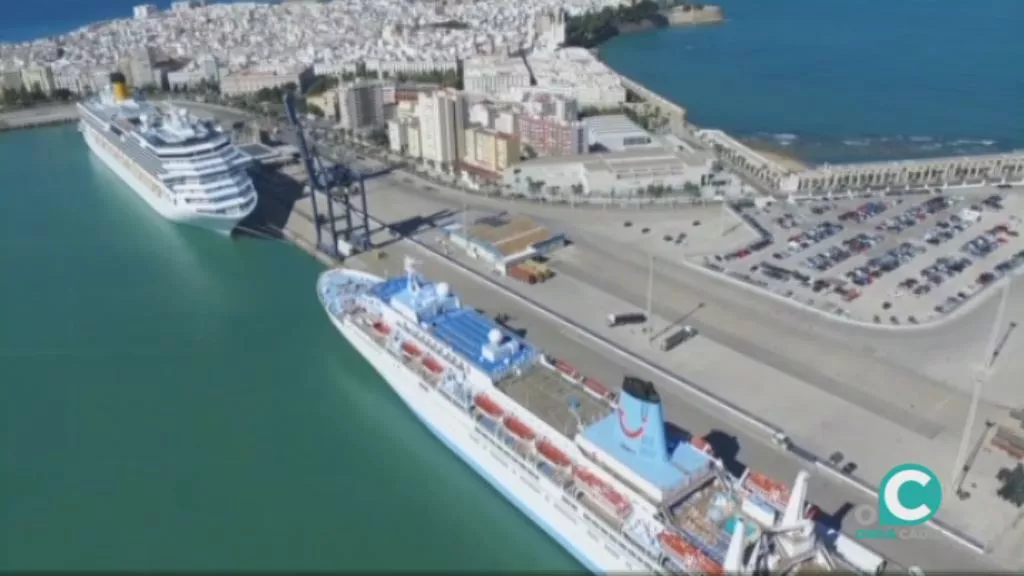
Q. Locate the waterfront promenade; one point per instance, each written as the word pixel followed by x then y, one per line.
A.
pixel 44 115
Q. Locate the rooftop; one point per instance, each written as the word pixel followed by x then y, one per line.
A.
pixel 468 331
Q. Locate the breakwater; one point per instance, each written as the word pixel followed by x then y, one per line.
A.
pixel 25 118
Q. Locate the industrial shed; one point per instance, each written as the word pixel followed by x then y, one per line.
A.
pixel 504 240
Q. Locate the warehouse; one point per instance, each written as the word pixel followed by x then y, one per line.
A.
pixel 615 133
pixel 504 240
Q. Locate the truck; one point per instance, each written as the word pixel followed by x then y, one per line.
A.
pixel 539 270
pixel 675 339
pixel 522 274
pixel 626 318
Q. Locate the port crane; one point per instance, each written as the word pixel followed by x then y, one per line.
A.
pixel 341 185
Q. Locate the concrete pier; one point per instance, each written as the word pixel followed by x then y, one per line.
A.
pixel 24 118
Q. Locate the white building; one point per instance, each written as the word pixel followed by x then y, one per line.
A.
pixel 247 82
pixel 615 133
pixel 619 174
pixel 143 11
pixel 442 118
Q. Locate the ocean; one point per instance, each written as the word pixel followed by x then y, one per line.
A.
pixel 171 400
pixel 845 80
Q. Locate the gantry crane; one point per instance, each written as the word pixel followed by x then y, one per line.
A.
pixel 337 183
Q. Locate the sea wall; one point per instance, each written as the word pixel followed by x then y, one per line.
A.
pixel 675 113
pixel 23 118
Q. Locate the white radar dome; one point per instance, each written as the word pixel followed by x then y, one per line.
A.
pixel 494 336
pixel 443 289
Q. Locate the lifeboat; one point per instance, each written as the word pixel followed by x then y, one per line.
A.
pixel 410 349
pixel 775 492
pixel 489 407
pixel 689 557
pixel 567 369
pixel 432 365
pixel 520 429
pixel 619 505
pixel 553 455
pixel 598 388
pixel 382 328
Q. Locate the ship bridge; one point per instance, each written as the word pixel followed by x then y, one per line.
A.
pixel 631 443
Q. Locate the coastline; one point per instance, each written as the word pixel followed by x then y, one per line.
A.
pixel 37 116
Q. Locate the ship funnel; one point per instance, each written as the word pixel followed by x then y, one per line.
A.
pixel 120 86
pixel 734 554
pixel 641 423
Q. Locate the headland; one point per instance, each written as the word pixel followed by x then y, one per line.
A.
pixel 592 29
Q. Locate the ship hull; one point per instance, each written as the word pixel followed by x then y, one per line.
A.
pixel 459 433
pixel 221 224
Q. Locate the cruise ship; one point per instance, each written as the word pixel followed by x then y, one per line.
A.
pixel 187 170
pixel 598 471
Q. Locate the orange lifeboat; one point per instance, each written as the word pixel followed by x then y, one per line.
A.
pixel 567 369
pixel 772 490
pixel 520 429
pixel 411 349
pixel 596 387
pixel 433 366
pixel 489 407
pixel 692 560
pixel 553 455
pixel 619 504
pixel 382 328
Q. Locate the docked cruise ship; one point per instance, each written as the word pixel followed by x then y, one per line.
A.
pixel 186 169
pixel 597 470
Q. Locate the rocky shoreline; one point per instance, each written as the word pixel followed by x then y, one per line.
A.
pixel 677 16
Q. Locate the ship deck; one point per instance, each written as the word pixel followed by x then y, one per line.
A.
pixel 550 397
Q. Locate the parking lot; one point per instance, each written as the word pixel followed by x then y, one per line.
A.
pixel 894 260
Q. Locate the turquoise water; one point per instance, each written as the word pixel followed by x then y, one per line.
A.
pixel 170 400
pixel 846 79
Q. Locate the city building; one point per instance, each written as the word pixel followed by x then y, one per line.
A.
pixel 186 5
pixel 11 80
pixel 442 115
pixel 615 133
pixel 38 78
pixel 361 104
pixel 399 135
pixel 619 174
pixel 143 11
pixel 247 82
pixel 500 77
pixel 203 70
pixel 141 66
pixel 488 152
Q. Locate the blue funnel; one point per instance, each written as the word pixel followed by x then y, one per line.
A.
pixel 641 428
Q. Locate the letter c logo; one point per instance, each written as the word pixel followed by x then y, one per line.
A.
pixel 910 495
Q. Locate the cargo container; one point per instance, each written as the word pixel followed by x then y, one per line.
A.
pixel 677 338
pixel 522 274
pixel 626 318
pixel 541 271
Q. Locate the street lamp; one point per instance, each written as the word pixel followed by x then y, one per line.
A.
pixel 981 377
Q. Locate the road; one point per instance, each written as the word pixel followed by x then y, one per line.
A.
pixel 732 441
pixel 760 321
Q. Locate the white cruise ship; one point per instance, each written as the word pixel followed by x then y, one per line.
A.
pixel 599 472
pixel 187 170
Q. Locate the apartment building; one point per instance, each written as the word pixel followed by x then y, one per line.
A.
pixel 247 82
pixel 443 117
pixel 361 104
pixel 40 77
pixel 489 150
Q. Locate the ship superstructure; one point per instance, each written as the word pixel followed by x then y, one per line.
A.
pixel 186 169
pixel 599 472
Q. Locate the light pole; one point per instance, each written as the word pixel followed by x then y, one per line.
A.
pixel 980 379
pixel 650 297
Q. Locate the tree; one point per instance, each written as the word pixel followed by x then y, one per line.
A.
pixel 1012 489
pixel 314 110
pixel 691 188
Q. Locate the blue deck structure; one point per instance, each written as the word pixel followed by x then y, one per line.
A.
pixel 467 332
pixel 470 334
pixel 634 435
